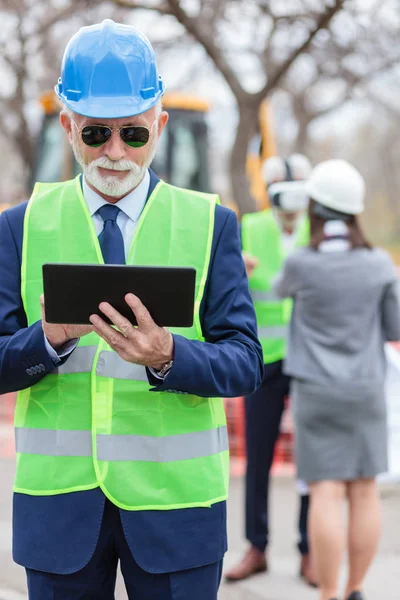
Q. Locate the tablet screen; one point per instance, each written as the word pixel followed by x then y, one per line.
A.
pixel 73 292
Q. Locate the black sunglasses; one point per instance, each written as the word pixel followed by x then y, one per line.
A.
pixel 135 136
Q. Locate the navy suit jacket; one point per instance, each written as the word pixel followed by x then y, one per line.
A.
pixel 59 533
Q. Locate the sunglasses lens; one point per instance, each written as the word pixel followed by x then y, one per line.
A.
pixel 135 137
pixel 96 135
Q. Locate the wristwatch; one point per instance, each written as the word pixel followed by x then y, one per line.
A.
pixel 165 369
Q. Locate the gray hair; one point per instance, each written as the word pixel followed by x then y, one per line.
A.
pixel 68 112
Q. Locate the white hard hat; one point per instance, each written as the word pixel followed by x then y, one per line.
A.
pixel 337 185
pixel 300 166
pixel 289 196
pixel 276 168
pixel 273 169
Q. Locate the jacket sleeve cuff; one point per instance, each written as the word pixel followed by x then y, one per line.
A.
pixel 63 352
pixel 173 380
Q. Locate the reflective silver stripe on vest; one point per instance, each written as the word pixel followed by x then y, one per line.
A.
pixel 110 364
pixel 53 443
pixel 80 361
pixel 273 332
pixel 259 296
pixel 162 449
pixel 122 447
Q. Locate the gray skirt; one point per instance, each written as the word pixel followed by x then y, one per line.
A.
pixel 340 431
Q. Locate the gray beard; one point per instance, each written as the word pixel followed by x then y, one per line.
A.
pixel 110 185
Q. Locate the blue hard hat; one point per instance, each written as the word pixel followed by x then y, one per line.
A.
pixel 108 71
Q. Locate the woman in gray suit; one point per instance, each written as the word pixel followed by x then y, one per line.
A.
pixel 345 308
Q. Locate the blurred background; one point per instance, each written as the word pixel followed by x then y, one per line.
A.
pixel 255 77
pixel 246 79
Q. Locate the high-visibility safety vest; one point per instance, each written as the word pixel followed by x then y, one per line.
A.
pixel 93 421
pixel 262 238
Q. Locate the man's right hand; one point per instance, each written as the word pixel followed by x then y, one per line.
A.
pixel 250 262
pixel 57 334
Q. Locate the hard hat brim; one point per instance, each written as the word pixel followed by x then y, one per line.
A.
pixel 110 107
pixel 334 205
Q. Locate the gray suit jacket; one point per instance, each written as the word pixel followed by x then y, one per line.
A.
pixel 346 305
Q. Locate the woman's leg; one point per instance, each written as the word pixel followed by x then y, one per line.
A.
pixel 327 536
pixel 364 529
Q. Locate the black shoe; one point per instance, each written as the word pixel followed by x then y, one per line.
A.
pixel 356 596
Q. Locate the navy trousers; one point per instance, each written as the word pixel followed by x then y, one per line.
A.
pixel 96 581
pixel 264 411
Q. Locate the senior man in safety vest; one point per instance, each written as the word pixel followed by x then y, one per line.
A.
pixel 122 451
pixel 268 237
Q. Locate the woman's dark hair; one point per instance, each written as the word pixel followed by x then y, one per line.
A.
pixel 357 238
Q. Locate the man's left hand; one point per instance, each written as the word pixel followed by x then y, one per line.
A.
pixel 147 344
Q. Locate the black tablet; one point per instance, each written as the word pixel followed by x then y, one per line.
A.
pixel 73 292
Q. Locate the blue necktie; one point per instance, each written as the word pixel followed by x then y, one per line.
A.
pixel 111 240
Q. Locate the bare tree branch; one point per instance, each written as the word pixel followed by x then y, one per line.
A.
pixel 354 79
pixel 322 23
pixel 292 17
pixel 56 17
pixel 305 115
pixel 193 27
pixel 163 9
pixel 388 108
pixel 5 57
pixel 213 11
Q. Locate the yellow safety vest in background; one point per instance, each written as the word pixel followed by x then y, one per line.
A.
pixel 262 238
pixel 94 422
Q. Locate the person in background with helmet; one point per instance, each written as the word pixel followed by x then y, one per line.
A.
pixel 122 449
pixel 345 307
pixel 267 238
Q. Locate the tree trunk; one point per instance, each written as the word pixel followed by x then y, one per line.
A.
pixel 301 143
pixel 247 128
pixel 23 137
pixel 25 146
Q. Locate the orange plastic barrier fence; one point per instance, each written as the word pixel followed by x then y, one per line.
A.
pixel 7 445
pixel 235 417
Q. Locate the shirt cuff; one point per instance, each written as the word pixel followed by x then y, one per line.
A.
pixel 63 351
pixel 155 373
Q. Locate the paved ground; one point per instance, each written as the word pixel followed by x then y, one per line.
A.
pixel 281 583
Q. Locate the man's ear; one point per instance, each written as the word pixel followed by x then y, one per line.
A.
pixel 162 121
pixel 66 124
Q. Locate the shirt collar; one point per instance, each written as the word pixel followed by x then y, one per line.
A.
pixel 334 245
pixel 132 204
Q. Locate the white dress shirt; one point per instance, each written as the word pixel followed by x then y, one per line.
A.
pixel 289 242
